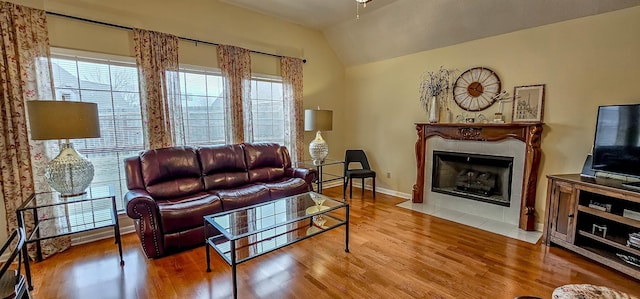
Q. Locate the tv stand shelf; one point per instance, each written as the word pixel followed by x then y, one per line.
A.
pixel 633 186
pixel 585 215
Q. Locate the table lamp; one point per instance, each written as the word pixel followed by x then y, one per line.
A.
pixel 68 173
pixel 318 120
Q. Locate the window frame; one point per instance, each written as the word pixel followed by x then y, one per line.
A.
pixel 270 79
pixel 183 69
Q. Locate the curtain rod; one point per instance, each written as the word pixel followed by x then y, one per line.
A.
pixel 196 41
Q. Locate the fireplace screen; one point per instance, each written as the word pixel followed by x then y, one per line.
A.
pixel 473 176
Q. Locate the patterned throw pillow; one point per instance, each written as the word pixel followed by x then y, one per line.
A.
pixel 587 291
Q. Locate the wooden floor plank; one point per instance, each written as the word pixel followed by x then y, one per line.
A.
pixel 394 253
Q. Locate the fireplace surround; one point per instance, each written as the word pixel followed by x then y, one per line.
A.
pixel 529 133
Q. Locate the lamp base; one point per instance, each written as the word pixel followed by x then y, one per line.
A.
pixel 318 149
pixel 69 173
pixel 72 195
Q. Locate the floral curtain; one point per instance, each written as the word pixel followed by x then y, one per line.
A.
pixel 157 60
pixel 235 65
pixel 25 75
pixel 292 75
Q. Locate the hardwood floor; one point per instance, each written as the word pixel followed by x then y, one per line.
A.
pixel 394 253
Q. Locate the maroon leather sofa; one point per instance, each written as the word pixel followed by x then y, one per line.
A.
pixel 171 189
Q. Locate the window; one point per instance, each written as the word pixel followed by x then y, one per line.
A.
pixel 203 107
pixel 267 108
pixel 112 83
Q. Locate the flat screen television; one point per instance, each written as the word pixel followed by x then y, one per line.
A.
pixel 616 146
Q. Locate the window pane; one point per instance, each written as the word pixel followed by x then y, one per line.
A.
pixel 102 98
pixel 203 107
pixel 263 90
pixel 277 93
pixel 195 84
pixel 65 73
pixel 214 86
pixel 67 94
pixel 94 76
pixel 267 106
pixel 124 78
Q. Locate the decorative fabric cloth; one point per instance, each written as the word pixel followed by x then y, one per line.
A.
pixel 587 291
pixel 25 76
pixel 157 60
pixel 292 78
pixel 235 66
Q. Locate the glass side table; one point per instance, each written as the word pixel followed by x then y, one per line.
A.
pixel 324 177
pixel 56 216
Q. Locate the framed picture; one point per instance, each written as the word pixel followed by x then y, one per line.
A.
pixel 528 104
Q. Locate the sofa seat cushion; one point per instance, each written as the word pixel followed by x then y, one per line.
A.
pixel 287 187
pixel 182 240
pixel 243 196
pixel 187 212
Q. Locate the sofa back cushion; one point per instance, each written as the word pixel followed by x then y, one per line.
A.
pixel 133 173
pixel 265 161
pixel 286 158
pixel 223 166
pixel 171 172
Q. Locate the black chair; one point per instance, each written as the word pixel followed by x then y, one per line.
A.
pixel 357 156
pixel 12 282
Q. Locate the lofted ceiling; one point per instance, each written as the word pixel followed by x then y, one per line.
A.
pixel 392 28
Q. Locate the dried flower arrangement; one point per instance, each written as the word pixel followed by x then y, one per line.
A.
pixel 433 84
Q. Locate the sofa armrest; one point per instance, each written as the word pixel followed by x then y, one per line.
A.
pixel 143 209
pixel 308 175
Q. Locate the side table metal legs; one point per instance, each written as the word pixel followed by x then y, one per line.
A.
pixel 27 268
pixel 25 254
pixel 116 230
pixel 346 234
pixel 31 208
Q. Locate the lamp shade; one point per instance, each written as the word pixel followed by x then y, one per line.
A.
pixel 318 120
pixel 63 120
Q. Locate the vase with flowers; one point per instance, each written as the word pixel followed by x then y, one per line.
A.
pixel 434 91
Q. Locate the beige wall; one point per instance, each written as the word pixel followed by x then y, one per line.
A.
pixel 209 21
pixel 584 63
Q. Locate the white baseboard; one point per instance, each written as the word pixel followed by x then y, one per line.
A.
pixel 99 234
pixel 369 187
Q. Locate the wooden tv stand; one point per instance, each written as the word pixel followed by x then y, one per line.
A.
pixel 575 223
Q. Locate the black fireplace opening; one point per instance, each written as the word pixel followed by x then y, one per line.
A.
pixel 483 178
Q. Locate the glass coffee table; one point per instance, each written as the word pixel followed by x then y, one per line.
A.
pixel 243 234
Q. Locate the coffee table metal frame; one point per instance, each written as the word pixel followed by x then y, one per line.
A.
pixel 224 242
